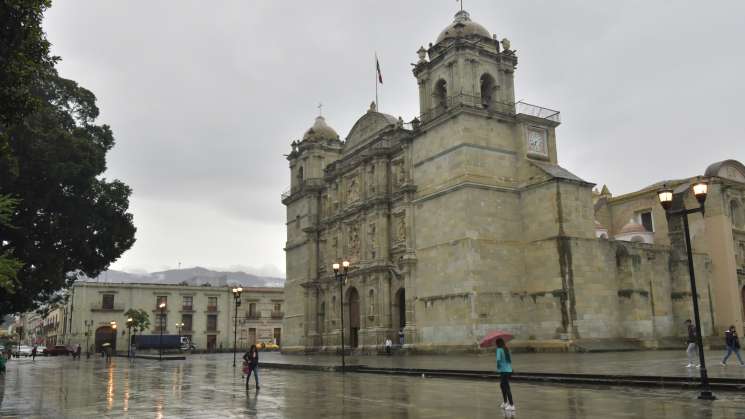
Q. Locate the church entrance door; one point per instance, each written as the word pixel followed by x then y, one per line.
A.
pixel 353 298
pixel 398 311
pixel 105 334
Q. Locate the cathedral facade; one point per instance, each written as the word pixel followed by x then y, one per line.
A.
pixel 461 221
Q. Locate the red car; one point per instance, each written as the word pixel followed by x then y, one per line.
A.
pixel 57 350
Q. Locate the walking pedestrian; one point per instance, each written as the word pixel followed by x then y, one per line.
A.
pixel 401 337
pixel 252 359
pixel 504 368
pixel 733 345
pixel 388 345
pixel 78 350
pixel 33 353
pixel 692 347
pixel 2 363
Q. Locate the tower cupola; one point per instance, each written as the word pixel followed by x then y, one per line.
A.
pixel 320 131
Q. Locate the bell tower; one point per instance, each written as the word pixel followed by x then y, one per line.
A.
pixel 466 66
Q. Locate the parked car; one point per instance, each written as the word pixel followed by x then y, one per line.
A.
pixel 23 350
pixel 57 350
pixel 40 349
pixel 270 346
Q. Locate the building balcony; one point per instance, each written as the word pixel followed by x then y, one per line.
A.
pixel 111 308
pixel 278 315
pixel 212 309
pixel 187 308
pixel 523 108
pixel 253 316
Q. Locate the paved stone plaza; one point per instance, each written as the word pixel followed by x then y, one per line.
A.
pixel 207 386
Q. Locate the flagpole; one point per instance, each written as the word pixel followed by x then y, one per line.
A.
pixel 375 73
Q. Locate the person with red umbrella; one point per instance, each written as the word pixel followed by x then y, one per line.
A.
pixel 504 367
pixel 504 364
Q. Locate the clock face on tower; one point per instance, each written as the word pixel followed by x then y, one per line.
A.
pixel 537 142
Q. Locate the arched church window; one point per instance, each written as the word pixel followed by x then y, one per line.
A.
pixel 487 89
pixel 300 176
pixel 441 94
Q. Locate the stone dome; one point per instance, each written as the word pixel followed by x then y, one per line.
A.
pixel 320 131
pixel 632 227
pixel 463 26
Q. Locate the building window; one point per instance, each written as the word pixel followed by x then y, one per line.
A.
pixel 278 336
pixel 371 303
pixel 186 319
pixel 252 311
pixel 107 301
pixel 211 303
pixel 211 323
pixel 277 307
pixel 645 219
pixel 188 303
pixel 161 299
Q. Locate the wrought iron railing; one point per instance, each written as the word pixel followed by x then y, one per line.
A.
pixel 537 111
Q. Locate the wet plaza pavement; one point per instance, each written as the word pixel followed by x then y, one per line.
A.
pixel 205 386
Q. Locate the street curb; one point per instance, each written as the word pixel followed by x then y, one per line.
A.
pixel 604 380
pixel 156 357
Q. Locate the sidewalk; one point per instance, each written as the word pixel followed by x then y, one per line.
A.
pixel 643 363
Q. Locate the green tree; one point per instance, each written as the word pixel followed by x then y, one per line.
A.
pixel 8 265
pixel 140 319
pixel 24 57
pixel 69 220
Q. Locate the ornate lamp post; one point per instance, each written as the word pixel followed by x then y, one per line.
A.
pixel 129 335
pixel 237 299
pixel 88 325
pixel 113 337
pixel 341 279
pixel 700 190
pixel 162 307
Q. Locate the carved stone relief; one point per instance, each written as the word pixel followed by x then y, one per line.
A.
pixel 354 240
pixel 400 226
pixel 353 190
pixel 371 240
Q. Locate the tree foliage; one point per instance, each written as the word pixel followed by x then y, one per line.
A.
pixel 24 57
pixel 69 220
pixel 9 265
pixel 140 319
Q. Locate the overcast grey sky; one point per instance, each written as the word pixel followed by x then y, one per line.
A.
pixel 205 97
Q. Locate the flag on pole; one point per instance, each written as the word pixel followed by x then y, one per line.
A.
pixel 377 67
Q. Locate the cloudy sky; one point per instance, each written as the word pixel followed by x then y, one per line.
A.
pixel 205 97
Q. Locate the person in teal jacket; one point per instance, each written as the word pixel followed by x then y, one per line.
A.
pixel 504 368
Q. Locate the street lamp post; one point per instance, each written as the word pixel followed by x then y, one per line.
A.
pixel 129 336
pixel 237 299
pixel 88 325
pixel 162 307
pixel 113 337
pixel 700 190
pixel 341 279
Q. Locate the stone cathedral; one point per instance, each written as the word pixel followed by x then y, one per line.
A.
pixel 461 221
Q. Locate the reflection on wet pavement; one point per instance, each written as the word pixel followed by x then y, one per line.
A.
pixel 208 386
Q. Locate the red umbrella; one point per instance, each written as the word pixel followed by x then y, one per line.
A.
pixel 491 338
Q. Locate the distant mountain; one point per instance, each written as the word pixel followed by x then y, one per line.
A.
pixel 193 276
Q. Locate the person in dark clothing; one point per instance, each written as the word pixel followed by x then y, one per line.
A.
pixel 733 345
pixel 33 353
pixel 252 359
pixel 692 347
pixel 504 367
